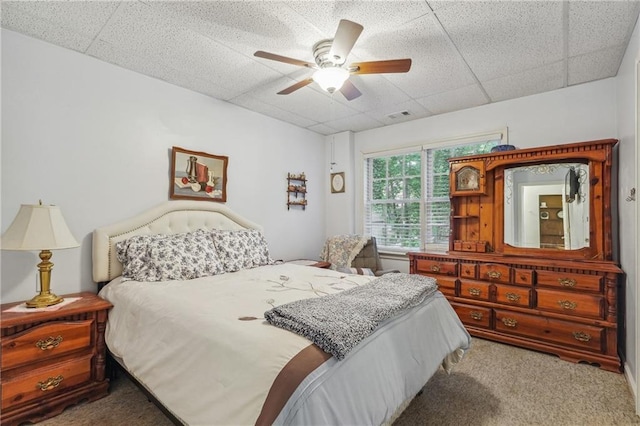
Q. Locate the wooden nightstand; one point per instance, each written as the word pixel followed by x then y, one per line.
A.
pixel 52 359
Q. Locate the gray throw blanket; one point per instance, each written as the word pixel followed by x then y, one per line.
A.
pixel 338 322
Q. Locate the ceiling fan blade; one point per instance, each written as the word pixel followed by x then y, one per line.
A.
pixel 350 91
pixel 381 67
pixel 274 57
pixel 296 86
pixel 346 36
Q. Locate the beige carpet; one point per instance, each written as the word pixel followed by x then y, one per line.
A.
pixel 494 384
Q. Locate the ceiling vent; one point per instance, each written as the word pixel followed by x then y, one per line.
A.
pixel 398 114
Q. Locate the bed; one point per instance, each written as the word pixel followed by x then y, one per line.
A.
pixel 202 348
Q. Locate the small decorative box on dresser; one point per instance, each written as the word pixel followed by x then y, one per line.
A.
pixel 52 359
pixel 504 278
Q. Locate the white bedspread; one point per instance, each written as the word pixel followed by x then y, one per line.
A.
pixel 185 342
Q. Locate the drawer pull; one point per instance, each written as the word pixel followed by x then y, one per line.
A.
pixel 567 304
pixel 435 268
pixel 581 336
pixel 512 297
pixel 494 274
pixel 475 315
pixel 49 343
pixel 567 282
pixel 509 322
pixel 475 291
pixel 51 383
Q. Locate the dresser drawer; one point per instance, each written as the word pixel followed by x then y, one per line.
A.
pixel 50 380
pixel 551 330
pixel 523 277
pixel 437 267
pixel 45 342
pixel 475 290
pixel 475 316
pixel 566 302
pixel 512 295
pixel 494 272
pixel 468 270
pixel 570 281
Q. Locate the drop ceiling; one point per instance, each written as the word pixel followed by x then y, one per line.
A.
pixel 465 53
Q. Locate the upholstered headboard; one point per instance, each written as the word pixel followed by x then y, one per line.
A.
pixel 172 217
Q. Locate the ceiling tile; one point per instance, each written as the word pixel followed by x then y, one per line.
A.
pixel 374 16
pixel 249 26
pixel 595 25
pixel 415 109
pixel 435 67
pixel 73 30
pixel 543 79
pixel 465 97
pixel 323 129
pixel 354 123
pixel 376 92
pixel 595 65
pixel 253 104
pixel 85 18
pixel 505 37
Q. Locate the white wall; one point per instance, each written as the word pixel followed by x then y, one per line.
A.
pixel 627 114
pixel 95 139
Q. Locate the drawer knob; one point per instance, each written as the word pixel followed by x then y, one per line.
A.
pixel 50 383
pixel 581 336
pixel 567 304
pixel 475 291
pixel 509 322
pixel 567 282
pixel 49 343
pixel 494 274
pixel 475 315
pixel 512 297
pixel 435 268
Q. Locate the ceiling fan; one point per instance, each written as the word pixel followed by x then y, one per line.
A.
pixel 330 56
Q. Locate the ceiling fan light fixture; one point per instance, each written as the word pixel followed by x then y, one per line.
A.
pixel 331 78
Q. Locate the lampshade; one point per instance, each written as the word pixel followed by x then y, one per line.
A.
pixel 38 227
pixel 331 78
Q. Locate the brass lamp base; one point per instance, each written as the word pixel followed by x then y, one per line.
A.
pixel 43 300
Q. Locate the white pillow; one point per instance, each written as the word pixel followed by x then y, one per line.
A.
pixel 241 249
pixel 154 258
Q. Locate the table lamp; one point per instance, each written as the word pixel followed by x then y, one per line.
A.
pixel 39 227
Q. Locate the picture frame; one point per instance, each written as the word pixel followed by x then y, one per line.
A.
pixel 197 175
pixel 337 182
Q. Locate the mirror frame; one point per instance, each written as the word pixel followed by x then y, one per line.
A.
pixel 599 162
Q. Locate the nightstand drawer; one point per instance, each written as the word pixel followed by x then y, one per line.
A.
pixel 45 342
pixel 48 381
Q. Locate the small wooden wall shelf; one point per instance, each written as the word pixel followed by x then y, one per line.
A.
pixel 296 190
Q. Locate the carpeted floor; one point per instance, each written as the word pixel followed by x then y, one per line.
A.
pixel 494 384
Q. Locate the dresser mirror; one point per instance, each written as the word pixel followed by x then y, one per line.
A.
pixel 547 206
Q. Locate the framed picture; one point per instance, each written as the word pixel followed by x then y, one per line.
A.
pixel 337 182
pixel 198 175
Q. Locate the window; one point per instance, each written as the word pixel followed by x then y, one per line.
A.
pixel 406 194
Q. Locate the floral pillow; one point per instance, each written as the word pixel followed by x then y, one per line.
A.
pixel 242 249
pixel 154 258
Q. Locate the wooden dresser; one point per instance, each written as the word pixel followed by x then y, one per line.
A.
pixel 561 297
pixel 52 359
